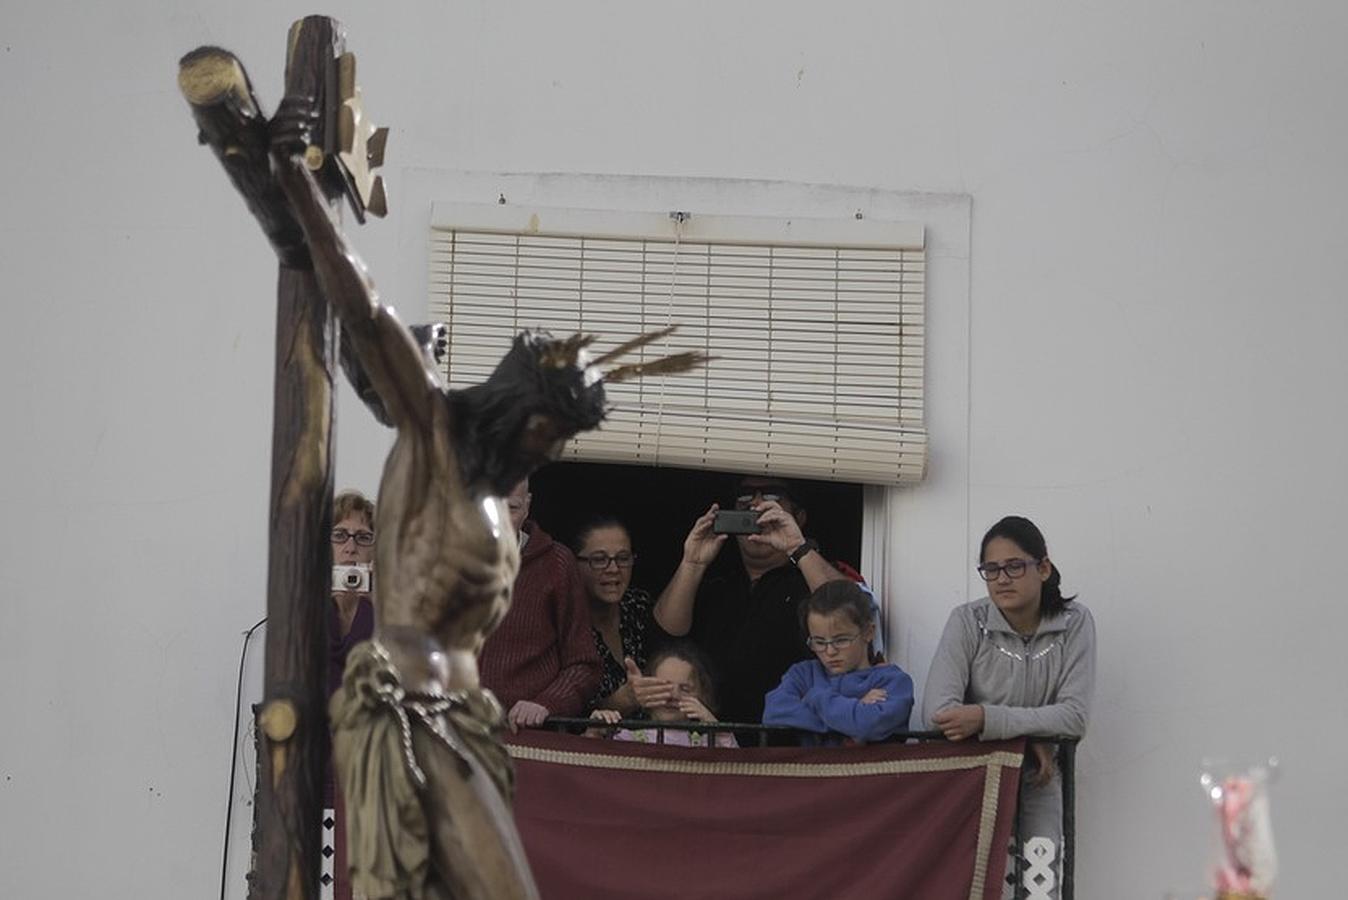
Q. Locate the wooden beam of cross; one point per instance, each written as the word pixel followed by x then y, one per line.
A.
pixel 344 150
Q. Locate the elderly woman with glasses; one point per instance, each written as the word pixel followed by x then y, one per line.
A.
pixel 353 544
pixel 1018 662
pixel 620 617
pixel 350 621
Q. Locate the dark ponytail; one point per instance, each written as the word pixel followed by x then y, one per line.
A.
pixel 1027 536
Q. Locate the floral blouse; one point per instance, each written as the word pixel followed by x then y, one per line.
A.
pixel 636 628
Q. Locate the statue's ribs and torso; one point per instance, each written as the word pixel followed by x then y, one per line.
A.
pixel 446 561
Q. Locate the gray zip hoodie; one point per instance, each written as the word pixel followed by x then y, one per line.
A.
pixel 1036 685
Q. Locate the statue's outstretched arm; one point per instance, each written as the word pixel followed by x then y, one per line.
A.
pixel 433 339
pixel 395 365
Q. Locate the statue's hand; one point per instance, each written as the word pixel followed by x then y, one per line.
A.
pixel 433 339
pixel 440 342
pixel 293 125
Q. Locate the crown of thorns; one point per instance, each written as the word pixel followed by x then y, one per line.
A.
pixel 571 384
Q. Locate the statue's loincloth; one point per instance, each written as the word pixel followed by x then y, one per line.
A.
pixel 373 719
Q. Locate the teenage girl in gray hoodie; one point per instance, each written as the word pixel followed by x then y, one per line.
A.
pixel 1020 661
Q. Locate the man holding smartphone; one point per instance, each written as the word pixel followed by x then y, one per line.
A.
pixel 745 618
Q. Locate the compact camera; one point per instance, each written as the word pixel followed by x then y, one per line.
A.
pixel 351 578
pixel 736 521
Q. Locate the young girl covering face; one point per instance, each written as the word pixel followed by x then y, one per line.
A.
pixel 841 689
pixel 685 701
pixel 686 697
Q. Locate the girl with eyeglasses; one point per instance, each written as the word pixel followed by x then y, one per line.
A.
pixel 845 688
pixel 1018 662
pixel 620 617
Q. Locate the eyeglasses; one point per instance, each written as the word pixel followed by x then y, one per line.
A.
pixel 341 536
pixel 599 561
pixel 819 645
pixel 1013 568
pixel 768 495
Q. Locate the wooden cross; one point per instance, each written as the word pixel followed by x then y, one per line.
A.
pixel 427 781
pixel 344 150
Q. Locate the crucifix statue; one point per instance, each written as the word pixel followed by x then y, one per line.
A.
pixel 426 780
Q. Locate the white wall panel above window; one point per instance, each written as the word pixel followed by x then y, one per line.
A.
pixel 815 326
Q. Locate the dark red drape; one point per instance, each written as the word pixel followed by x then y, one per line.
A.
pixel 604 819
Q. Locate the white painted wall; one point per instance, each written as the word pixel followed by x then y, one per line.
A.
pixel 1154 319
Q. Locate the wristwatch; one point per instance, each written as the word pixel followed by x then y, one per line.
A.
pixel 799 553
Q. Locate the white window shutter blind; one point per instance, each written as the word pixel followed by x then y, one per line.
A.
pixel 815 326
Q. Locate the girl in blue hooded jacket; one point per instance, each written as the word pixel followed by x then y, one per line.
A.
pixel 843 689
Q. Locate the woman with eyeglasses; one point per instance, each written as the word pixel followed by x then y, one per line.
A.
pixel 620 617
pixel 350 621
pixel 351 618
pixel 1018 662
